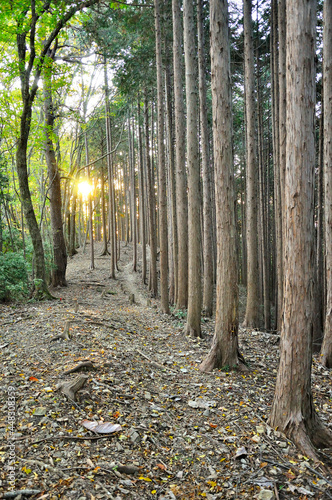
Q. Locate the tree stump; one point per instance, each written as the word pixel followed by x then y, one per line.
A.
pixel 70 389
pixel 132 298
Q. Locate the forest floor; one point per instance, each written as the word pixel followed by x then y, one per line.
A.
pixel 177 433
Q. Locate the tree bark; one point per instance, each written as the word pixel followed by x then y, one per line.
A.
pixel 293 410
pixel 59 245
pixel 141 192
pixel 224 351
pixel 110 177
pixel 326 352
pixel 163 239
pixel 206 169
pixel 252 309
pixel 181 181
pixel 193 326
pixel 153 282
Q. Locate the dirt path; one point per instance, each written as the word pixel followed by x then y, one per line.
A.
pixel 184 434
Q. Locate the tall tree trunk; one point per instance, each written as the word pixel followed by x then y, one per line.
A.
pixel 153 282
pixel 276 166
pixel 103 211
pixel 132 184
pixel 173 286
pixel 326 353
pixel 224 350
pixel 181 181
pixel 293 410
pixel 206 168
pixel 110 177
pixel 263 235
pixel 252 310
pixel 163 240
pixel 193 326
pixel 141 192
pixel 87 160
pixel 54 192
pixel 282 22
pixel 40 287
pixel 318 332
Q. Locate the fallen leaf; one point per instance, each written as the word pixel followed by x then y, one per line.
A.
pixel 101 427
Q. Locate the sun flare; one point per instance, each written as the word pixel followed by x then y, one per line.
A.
pixel 84 188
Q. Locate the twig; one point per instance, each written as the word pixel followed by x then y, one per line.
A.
pixel 104 489
pixel 41 359
pixel 14 494
pixel 314 471
pixel 73 438
pixel 154 363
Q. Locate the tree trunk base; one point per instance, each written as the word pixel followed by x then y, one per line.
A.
pixel 306 434
pixel 214 360
pixel 192 332
pixel 104 252
pixel 41 292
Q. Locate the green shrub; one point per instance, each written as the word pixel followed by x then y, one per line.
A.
pixel 13 277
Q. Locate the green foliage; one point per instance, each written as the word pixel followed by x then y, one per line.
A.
pixel 13 277
pixel 179 313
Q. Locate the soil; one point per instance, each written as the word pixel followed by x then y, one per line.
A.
pixel 158 428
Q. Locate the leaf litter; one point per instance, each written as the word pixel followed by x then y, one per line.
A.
pixel 142 422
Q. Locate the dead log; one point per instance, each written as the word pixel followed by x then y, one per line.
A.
pixel 70 389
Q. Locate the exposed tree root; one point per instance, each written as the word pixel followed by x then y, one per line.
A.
pixel 85 366
pixel 41 292
pixel 307 436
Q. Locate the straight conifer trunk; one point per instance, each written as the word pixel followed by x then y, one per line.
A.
pixel 153 282
pixel 224 351
pixel 206 169
pixel 181 181
pixel 327 82
pixel 163 239
pixel 252 310
pixel 293 411
pixel 141 192
pixel 193 326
